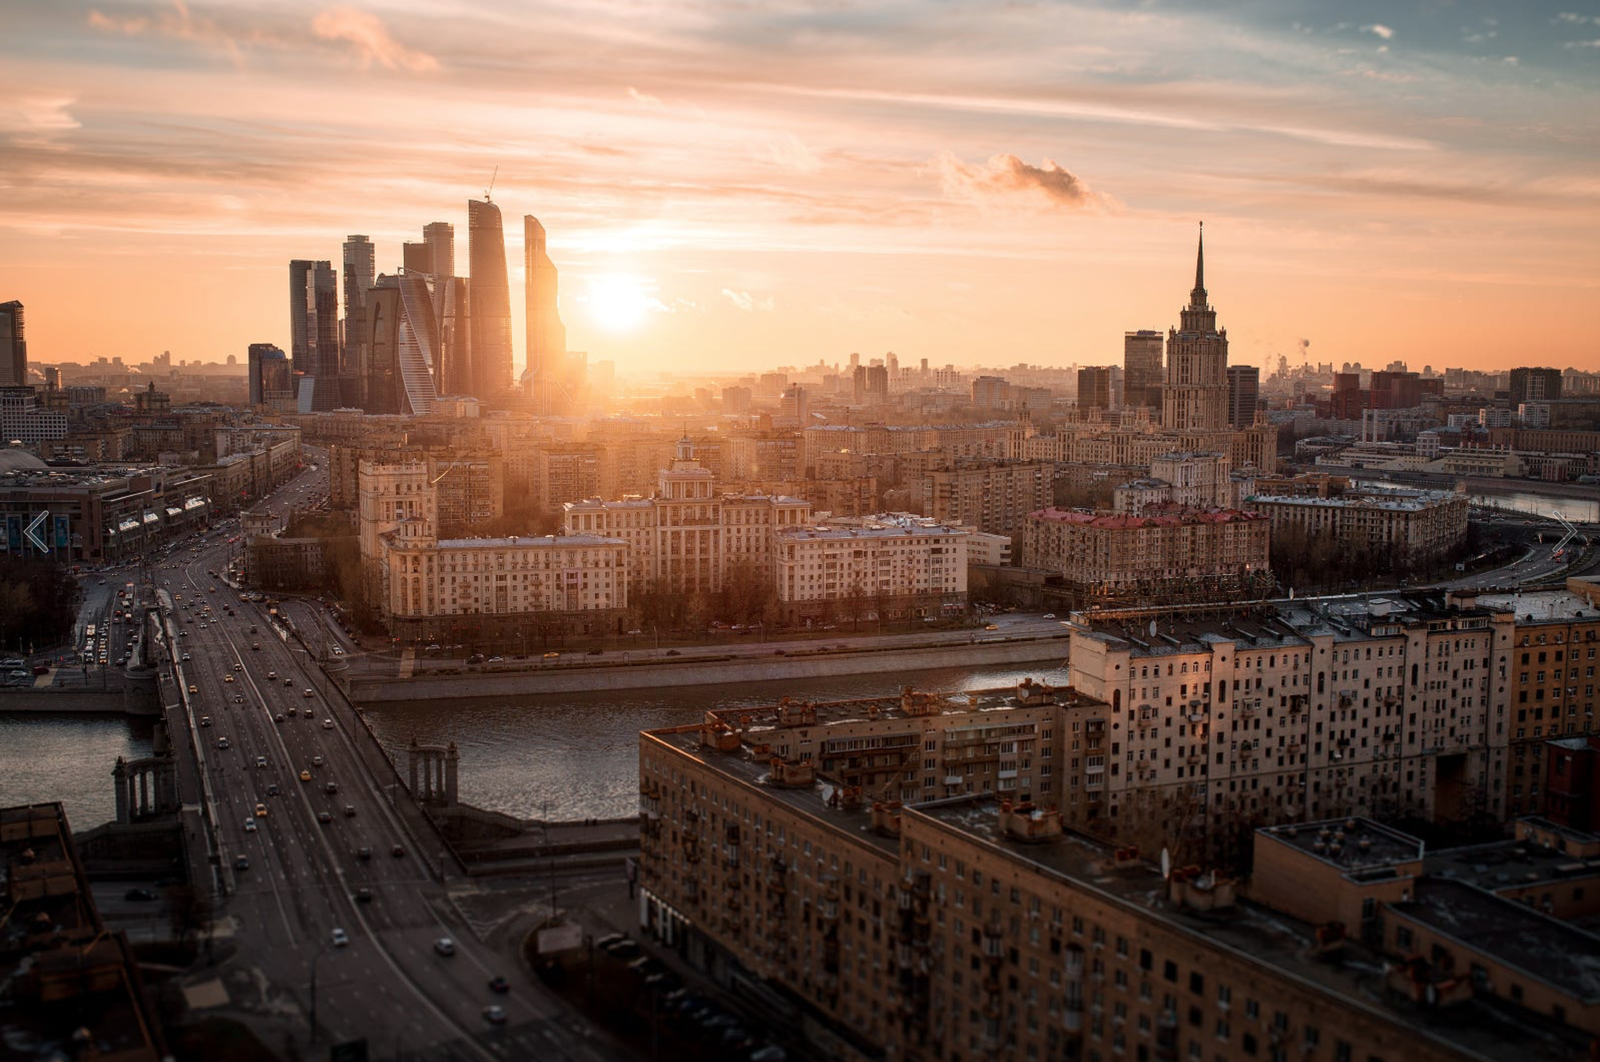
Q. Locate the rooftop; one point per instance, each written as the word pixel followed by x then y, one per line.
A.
pixel 1410 501
pixel 529 542
pixel 1122 521
pixel 1357 845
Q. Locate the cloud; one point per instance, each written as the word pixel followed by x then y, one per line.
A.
pixel 1006 175
pixel 371 41
pixel 644 97
pixel 791 153
pixel 1378 29
pixel 38 114
pixel 176 23
pixel 747 302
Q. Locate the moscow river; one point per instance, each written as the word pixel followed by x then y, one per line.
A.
pixel 68 758
pixel 1577 510
pixel 572 756
pixel 568 756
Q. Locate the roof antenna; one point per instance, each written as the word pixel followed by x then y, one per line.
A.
pixel 490 189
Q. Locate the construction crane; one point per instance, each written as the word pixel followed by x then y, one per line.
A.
pixel 489 190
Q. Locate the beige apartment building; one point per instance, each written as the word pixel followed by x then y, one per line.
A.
pixel 871 572
pixel 1215 722
pixel 785 853
pixel 1412 526
pixel 689 536
pixel 1177 554
pixel 991 495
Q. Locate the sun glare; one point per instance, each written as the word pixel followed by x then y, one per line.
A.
pixel 617 303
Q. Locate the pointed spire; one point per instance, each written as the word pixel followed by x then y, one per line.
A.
pixel 1197 297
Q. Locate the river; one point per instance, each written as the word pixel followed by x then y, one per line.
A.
pixel 68 758
pixel 1577 510
pixel 572 756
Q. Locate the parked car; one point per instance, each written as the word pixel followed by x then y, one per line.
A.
pixel 444 946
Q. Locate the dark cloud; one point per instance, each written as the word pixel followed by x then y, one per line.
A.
pixel 1006 175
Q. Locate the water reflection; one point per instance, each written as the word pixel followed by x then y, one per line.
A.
pixel 68 758
pixel 573 756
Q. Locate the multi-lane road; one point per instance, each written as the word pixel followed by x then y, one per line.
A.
pixel 310 850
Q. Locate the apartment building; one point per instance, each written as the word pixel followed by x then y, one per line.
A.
pixel 781 853
pixel 991 495
pixel 1412 526
pixel 870 572
pixel 1176 554
pixel 689 535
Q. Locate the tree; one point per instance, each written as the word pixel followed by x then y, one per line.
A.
pixel 38 601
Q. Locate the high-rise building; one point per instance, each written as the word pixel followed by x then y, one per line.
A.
pixel 269 380
pixel 1244 394
pixel 452 371
pixel 1534 385
pixel 359 270
pixel 314 333
pixel 403 335
pixel 546 377
pixel 490 300
pixel 416 257
pixel 1141 369
pixel 13 345
pixel 1094 388
pixel 1195 396
pixel 440 236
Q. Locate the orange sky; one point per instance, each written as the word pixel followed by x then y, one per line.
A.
pixel 968 182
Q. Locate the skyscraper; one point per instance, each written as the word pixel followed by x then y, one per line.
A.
pixel 359 266
pixel 416 257
pixel 490 300
pixel 1094 388
pixel 1534 385
pixel 452 372
pixel 403 334
pixel 269 380
pixel 545 378
pixel 1244 395
pixel 314 333
pixel 13 345
pixel 1195 396
pixel 440 236
pixel 1141 369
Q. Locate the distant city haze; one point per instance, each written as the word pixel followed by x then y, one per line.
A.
pixel 728 188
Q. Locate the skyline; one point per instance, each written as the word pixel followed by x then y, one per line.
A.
pixel 801 182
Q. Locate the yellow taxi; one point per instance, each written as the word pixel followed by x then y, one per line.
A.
pixel 193 688
pixel 261 811
pixel 227 678
pixel 305 776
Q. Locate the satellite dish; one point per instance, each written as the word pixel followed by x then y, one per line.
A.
pixel 1152 628
pixel 1166 864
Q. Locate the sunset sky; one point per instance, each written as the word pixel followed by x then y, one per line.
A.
pixel 736 185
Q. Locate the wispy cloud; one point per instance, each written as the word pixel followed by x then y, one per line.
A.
pixel 1378 29
pixel 743 300
pixel 371 41
pixel 175 22
pixel 1007 175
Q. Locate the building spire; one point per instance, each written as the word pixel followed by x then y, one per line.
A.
pixel 1197 297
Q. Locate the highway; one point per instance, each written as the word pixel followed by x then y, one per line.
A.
pixel 294 875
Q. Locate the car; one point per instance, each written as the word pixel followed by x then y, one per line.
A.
pixel 552 656
pixel 609 939
pixel 278 718
pixel 646 964
pixel 499 984
pixel 626 948
pixel 227 678
pixel 1048 615
pixel 475 658
pixel 636 631
pixel 398 851
pixel 991 627
pixel 249 825
pixel 261 761
pixel 238 698
pixel 340 938
pixel 363 895
pixel 331 787
pixel 316 761
pixel 769 1053
pixel 337 651
pixel 256 646
pixel 327 724
pixel 363 853
pixel 241 863
pixel 594 652
pixel 272 790
pixel 185 658
pixel 193 688
pixel 494 1014
pixel 293 711
pixel 305 776
pixel 222 743
pixel 289 682
pixel 324 818
pixel 307 693
pixel 673 652
pixel 238 667
pixel 272 675
pixel 139 895
pixel 205 720
pixel 444 946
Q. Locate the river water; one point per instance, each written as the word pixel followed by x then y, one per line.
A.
pixel 68 758
pixel 1577 510
pixel 572 756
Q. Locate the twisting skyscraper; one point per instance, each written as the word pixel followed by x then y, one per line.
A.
pixel 545 378
pixel 1195 396
pixel 403 334
pixel 490 295
pixel 314 333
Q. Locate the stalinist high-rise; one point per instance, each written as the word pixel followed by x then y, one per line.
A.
pixel 1195 395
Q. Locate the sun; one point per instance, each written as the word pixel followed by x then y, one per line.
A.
pixel 618 302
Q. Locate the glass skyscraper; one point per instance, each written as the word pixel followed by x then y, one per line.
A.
pixel 490 300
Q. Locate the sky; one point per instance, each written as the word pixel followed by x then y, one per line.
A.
pixel 731 185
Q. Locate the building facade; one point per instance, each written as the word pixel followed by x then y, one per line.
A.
pixel 1409 526
pixel 490 297
pixel 1195 394
pixel 870 572
pixel 13 345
